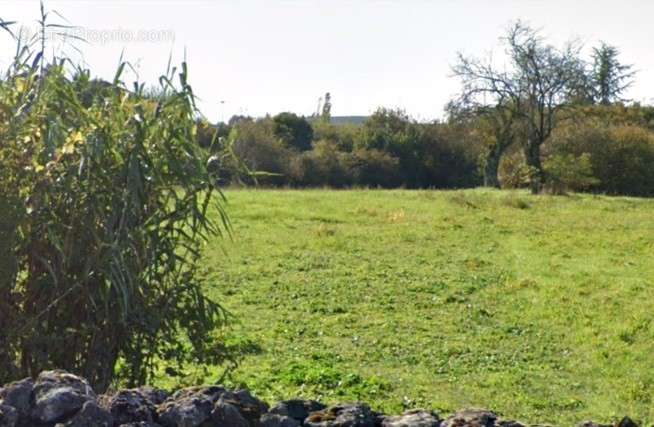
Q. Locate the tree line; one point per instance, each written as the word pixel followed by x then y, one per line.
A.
pixel 546 119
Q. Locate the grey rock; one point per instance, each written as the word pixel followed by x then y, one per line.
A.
pixel 58 395
pixel 189 411
pixel 8 416
pixel 154 395
pixel 227 414
pixel 91 415
pixel 592 424
pixel 275 420
pixel 19 395
pixel 346 415
pixel 509 423
pixel 471 418
pixel 141 424
pixel 412 418
pixel 129 406
pixel 627 422
pixel 249 406
pixel 296 408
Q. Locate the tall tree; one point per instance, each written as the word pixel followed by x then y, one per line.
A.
pixel 610 78
pixel 534 87
pixel 326 113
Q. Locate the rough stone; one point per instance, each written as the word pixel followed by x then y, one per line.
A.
pixel 627 422
pixel 227 414
pixel 471 418
pixel 58 395
pixel 275 420
pixel 141 424
pixel 593 424
pixel 509 423
pixel 347 415
pixel 8 416
pixel 91 415
pixel 189 411
pixel 296 408
pixel 412 418
pixel 19 395
pixel 129 406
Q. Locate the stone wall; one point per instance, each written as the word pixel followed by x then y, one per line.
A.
pixel 60 399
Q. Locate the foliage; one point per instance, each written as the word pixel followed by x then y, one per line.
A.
pixel 610 78
pixel 566 172
pixel 621 156
pixel 448 296
pixel 294 131
pixel 256 145
pixel 104 200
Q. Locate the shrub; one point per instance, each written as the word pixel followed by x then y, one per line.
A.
pixel 104 200
pixel 513 171
pixel 375 168
pixel 566 172
pixel 621 156
pixel 265 155
pixel 324 165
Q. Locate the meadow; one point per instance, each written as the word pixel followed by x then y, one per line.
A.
pixel 539 307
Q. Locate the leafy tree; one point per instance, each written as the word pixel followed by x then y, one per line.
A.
pixel 535 87
pixel 498 124
pixel 610 78
pixel 296 132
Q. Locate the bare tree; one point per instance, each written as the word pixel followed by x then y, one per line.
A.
pixel 532 88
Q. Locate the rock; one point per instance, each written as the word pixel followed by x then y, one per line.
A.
pixel 141 424
pixel 91 415
pixel 509 423
pixel 347 415
pixel 19 395
pixel 212 393
pixel 129 406
pixel 226 414
pixel 627 422
pixel 249 406
pixel 189 411
pixel 154 395
pixel 58 395
pixel 276 420
pixel 592 424
pixel 471 418
pixel 412 418
pixel 296 408
pixel 8 416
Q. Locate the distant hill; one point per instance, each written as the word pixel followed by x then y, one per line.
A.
pixel 344 120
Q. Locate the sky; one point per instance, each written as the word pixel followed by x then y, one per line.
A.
pixel 256 57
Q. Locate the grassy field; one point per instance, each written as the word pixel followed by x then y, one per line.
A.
pixel 540 308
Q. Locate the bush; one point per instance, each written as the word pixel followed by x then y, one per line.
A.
pixel 375 168
pixel 621 157
pixel 324 166
pixel 566 172
pixel 104 200
pixel 265 155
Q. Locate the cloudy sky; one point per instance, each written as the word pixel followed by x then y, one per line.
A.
pixel 265 56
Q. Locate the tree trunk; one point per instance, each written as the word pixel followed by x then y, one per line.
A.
pixel 491 166
pixel 532 157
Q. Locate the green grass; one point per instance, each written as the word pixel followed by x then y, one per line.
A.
pixel 540 308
